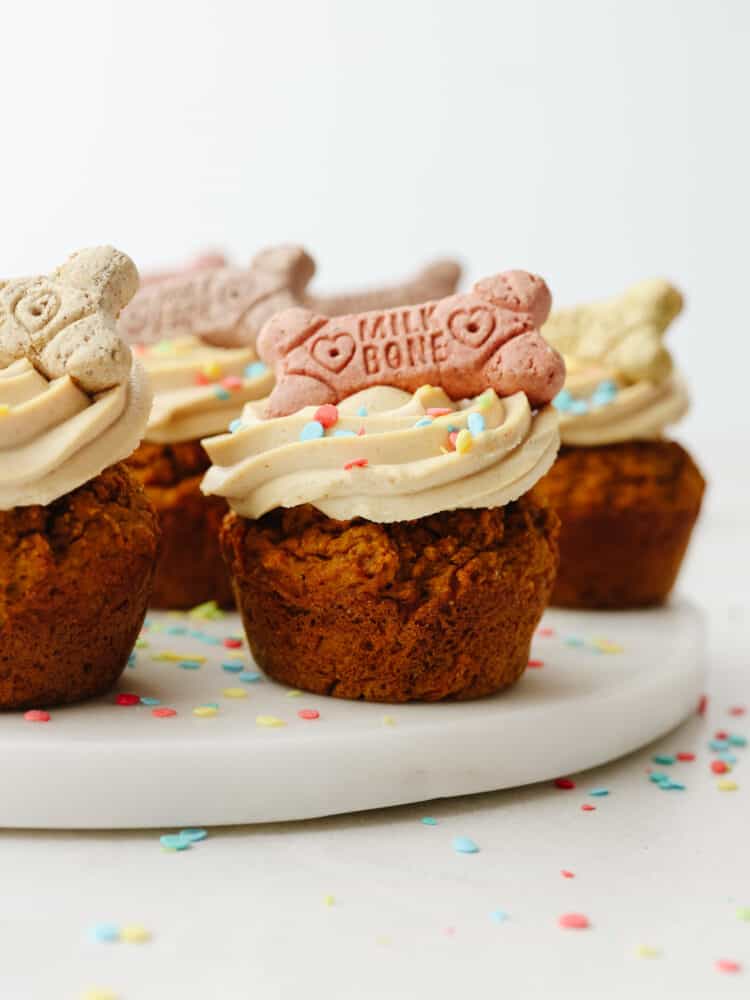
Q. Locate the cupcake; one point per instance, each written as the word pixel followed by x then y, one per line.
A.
pixel 78 539
pixel 200 389
pixel 382 541
pixel 627 496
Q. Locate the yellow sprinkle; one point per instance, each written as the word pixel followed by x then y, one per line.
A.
pixel 464 441
pixel 134 934
pixel 485 401
pixel 234 693
pixel 212 370
pixel 388 720
pixel 209 610
pixel 293 694
pixel 329 900
pixel 97 994
pixel 141 644
pixel 179 657
pixel 605 646
pixel 727 785
pixel 204 711
pixel 269 721
pixel 645 951
pixel 4 409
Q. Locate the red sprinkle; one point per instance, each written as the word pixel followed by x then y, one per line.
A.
pixel 163 713
pixel 574 921
pixel 588 808
pixel 545 633
pixel 566 783
pixel 127 699
pixel 452 438
pixel 703 704
pixel 233 643
pixel 685 756
pixel 356 463
pixel 566 874
pixel 536 663
pixel 232 382
pixel 308 713
pixel 719 767
pixel 327 415
pixel 727 965
pixel 721 734
pixel 37 715
pixel 737 710
pixel 201 379
pixel 438 411
pixel 361 432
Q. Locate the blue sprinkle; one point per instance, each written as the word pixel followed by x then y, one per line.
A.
pixel 429 821
pixel 174 842
pixel 719 744
pixel 579 406
pixel 463 845
pixel 210 640
pixel 499 916
pixel 738 741
pixel 176 630
pixel 210 704
pixel 573 640
pixel 476 423
pixel 232 668
pixel 672 786
pixel 311 431
pixel 221 393
pixel 727 757
pixel 235 426
pixel 604 393
pixel 563 400
pixel 663 758
pixel 256 369
pixel 189 664
pixel 250 677
pixel 452 428
pixel 104 933
pixel 599 792
pixel 150 701
pixel 131 660
pixel 193 834
pixel 344 434
pixel 423 422
pixel 657 777
pixel 362 411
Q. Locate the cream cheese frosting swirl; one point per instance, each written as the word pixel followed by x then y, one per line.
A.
pixel 385 454
pixel 199 389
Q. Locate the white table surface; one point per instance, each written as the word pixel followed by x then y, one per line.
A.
pixel 245 913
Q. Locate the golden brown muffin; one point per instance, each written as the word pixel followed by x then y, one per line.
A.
pixel 627 512
pixel 75 578
pixel 441 607
pixel 190 569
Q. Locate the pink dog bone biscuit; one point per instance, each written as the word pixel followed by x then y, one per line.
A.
pixel 488 338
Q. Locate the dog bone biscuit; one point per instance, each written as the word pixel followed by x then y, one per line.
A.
pixel 65 323
pixel 623 334
pixel 488 338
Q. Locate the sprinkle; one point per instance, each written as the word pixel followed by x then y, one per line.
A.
pixel 579 406
pixel 294 693
pixel 37 715
pixel 327 415
pixel 726 785
pixel 476 423
pixel 438 411
pixel 719 767
pixel 204 711
pixel 464 845
pixel 545 632
pixel 233 642
pixel 665 759
pixel 727 965
pixel 431 821
pixel 727 757
pixel 231 667
pixel 535 663
pixel 236 425
pixel 452 438
pixel 485 400
pixel 464 442
pixel 329 900
pixel 744 913
pixel 423 422
pixel 201 379
pixel 702 704
pixel 234 693
pixel 256 369
pixel 573 921
pixel 163 713
pixel 250 677
pixel 194 834
pixel 102 933
pixel 131 660
pixel 344 434
pixel 672 786
pixel 174 842
pixel 127 699
pixel 499 916
pixel 645 951
pixel 141 644
pixel 684 756
pixel 311 431
pixel 135 934
pixel 588 808
pixel 738 741
pixel 356 463
pixel 362 411
pixel 190 664
pixel 737 710
pixel 212 370
pixel 221 393
pixel 388 720
pixel 269 721
pixel 179 658
pixel 566 874
pixel 599 792
pixel 563 400
pixel 719 744
pixel 308 713
pixel 573 640
pixel 232 382
pixel 565 783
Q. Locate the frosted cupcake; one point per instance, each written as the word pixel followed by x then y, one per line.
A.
pixel 382 543
pixel 628 496
pixel 78 540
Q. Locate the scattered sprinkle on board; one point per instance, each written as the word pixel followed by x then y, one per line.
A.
pixel 429 821
pixel 574 921
pixel 566 784
pixel 134 934
pixel 465 845
pixel 37 715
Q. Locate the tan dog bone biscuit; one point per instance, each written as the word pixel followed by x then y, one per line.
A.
pixel 228 306
pixel 623 334
pixel 488 338
pixel 65 323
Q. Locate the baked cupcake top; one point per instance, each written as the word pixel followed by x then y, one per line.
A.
pixel 72 401
pixel 354 428
pixel 621 384
pixel 199 389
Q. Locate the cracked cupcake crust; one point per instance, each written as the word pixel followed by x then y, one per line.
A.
pixel 75 578
pixel 441 607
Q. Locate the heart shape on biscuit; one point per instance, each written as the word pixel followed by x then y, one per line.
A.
pixel 472 327
pixel 333 352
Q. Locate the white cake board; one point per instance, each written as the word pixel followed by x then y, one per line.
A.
pixel 103 765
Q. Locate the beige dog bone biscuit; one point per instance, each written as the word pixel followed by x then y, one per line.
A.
pixel 623 334
pixel 65 323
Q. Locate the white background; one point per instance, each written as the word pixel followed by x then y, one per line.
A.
pixel 595 142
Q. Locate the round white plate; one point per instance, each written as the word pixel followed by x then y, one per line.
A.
pixel 608 683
